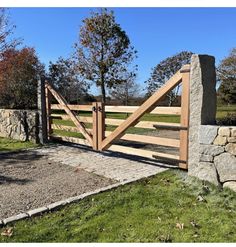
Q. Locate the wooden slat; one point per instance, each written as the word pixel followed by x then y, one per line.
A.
pixel 157 110
pixel 149 139
pixel 184 120
pixel 161 159
pixel 73 107
pixel 146 107
pixel 60 116
pixel 71 139
pixel 126 109
pixel 72 115
pixel 141 124
pixel 169 127
pixel 141 152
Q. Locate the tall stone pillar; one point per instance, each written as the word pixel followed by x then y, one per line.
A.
pixel 202 104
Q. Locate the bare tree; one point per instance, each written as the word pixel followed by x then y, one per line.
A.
pixel 227 78
pixel 6 29
pixel 64 76
pixel 163 72
pixel 126 90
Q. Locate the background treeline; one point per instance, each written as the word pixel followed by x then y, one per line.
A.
pixel 103 57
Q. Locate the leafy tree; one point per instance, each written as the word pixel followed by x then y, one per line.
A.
pixel 164 71
pixel 19 70
pixel 227 77
pixel 104 52
pixel 6 29
pixel 66 79
pixel 125 91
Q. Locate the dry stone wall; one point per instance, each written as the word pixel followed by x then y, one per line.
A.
pixel 217 156
pixel 19 124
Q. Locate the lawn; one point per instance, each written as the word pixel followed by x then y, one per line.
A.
pixel 7 144
pixel 222 111
pixel 169 207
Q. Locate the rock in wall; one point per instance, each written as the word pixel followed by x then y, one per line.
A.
pixel 19 124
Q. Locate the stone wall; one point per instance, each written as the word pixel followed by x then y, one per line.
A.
pixel 212 149
pixel 19 124
pixel 217 155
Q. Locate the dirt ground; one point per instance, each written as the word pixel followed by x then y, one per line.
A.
pixel 30 180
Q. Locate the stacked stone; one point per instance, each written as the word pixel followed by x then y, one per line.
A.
pixel 218 154
pixel 19 124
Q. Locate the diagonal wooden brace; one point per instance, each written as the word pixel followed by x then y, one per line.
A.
pixel 146 107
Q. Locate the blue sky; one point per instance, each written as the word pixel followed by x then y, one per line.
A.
pixel 156 33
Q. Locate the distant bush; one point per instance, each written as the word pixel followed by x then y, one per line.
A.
pixel 229 120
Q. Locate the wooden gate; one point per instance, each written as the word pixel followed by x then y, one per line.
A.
pixel 93 128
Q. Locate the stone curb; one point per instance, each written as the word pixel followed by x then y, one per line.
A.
pixel 15 218
pixel 60 204
pixel 37 211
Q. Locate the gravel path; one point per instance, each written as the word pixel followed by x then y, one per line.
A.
pixel 35 178
pixel 30 180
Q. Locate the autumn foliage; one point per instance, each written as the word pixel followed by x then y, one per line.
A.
pixel 18 78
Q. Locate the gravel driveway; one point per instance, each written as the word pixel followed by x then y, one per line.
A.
pixel 30 180
pixel 35 178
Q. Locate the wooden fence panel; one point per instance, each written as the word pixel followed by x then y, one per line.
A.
pixel 146 107
pixel 63 105
pixel 100 139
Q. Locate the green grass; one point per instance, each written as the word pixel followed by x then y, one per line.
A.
pixel 145 211
pixel 222 111
pixel 7 144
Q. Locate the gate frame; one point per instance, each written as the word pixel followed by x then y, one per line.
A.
pixel 182 76
pixel 97 139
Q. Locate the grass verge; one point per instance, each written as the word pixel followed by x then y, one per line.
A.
pixel 169 207
pixel 7 144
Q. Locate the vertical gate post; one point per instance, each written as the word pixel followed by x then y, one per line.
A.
pixel 202 105
pixel 48 97
pixel 42 112
pixel 95 126
pixel 101 124
pixel 184 120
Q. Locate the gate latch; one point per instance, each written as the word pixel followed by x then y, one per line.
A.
pixel 94 108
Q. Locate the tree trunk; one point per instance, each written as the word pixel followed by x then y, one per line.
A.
pixel 170 100
pixel 103 91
